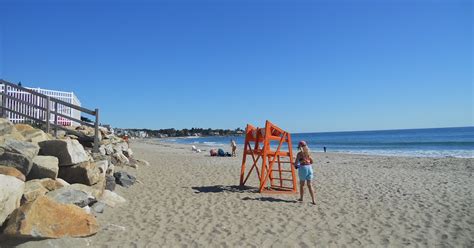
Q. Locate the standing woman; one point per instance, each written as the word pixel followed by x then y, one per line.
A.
pixel 304 164
pixel 233 146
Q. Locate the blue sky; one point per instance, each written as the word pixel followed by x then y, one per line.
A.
pixel 305 65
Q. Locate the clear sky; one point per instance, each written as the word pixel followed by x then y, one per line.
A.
pixel 305 65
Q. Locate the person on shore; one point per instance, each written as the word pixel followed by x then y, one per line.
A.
pixel 304 163
pixel 324 149
pixel 233 146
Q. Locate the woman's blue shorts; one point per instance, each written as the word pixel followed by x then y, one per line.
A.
pixel 305 172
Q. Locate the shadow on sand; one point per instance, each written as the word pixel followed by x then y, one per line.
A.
pixel 238 189
pixel 268 199
pixel 223 188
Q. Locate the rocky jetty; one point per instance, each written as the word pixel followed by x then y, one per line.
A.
pixel 54 187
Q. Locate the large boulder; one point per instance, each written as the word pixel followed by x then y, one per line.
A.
pixel 44 167
pixel 6 127
pixel 98 207
pixel 112 199
pixel 102 150
pixel 11 190
pixel 109 149
pixel 120 158
pixel 103 165
pixel 110 183
pixel 27 149
pixel 124 179
pixel 128 153
pixel 39 187
pixel 69 195
pixel 95 192
pixel 111 170
pixel 62 182
pixel 33 190
pixel 10 171
pixel 35 135
pixel 100 185
pixel 69 152
pixel 20 127
pixel 45 218
pixel 15 160
pixel 85 173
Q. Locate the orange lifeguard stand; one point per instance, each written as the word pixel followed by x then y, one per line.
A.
pixel 258 142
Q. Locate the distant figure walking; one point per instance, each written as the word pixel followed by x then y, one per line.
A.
pixel 233 146
pixel 324 149
pixel 304 163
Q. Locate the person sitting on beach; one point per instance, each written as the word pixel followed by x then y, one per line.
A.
pixel 304 163
pixel 233 145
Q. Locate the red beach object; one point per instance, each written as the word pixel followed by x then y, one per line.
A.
pixel 276 173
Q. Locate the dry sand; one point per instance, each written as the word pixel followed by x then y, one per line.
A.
pixel 189 199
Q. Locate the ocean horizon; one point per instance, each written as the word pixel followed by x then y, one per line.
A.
pixel 420 142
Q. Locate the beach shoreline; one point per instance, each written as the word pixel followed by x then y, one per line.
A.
pixel 191 199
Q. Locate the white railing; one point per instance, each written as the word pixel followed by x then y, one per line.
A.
pixel 68 97
pixel 52 111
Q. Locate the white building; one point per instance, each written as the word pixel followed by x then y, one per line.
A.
pixel 68 97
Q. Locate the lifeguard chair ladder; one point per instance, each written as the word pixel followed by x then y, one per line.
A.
pixel 279 161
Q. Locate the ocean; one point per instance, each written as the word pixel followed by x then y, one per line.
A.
pixel 432 142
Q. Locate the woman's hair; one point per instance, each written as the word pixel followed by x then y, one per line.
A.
pixel 305 151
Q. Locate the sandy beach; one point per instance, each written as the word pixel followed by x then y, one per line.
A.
pixel 187 199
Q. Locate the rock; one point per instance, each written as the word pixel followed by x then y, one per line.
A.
pixel 103 165
pixel 102 150
pixel 10 171
pixel 96 193
pixel 143 162
pixel 135 163
pixel 20 127
pixel 39 187
pixel 112 199
pixel 85 173
pixel 27 149
pixel 50 184
pixel 128 153
pixel 120 147
pixel 121 159
pixel 109 150
pixel 87 209
pixel 6 126
pixel 15 160
pixel 33 190
pixel 69 152
pixel 11 190
pixel 98 207
pixel 62 182
pixel 35 135
pixel 15 135
pixel 124 179
pixel 72 136
pixel 110 183
pixel 111 169
pixel 44 167
pixel 87 133
pixel 68 195
pixel 45 218
pixel 61 133
pixel 100 185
